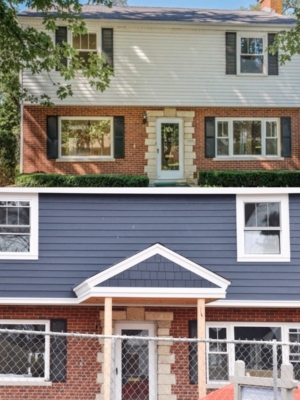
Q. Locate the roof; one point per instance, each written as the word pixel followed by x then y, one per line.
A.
pixel 185 15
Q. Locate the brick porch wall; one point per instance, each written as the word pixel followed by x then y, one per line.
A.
pixel 135 135
pixel 87 320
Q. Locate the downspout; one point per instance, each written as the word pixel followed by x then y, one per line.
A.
pixel 21 127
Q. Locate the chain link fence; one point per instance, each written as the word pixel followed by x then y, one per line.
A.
pixel 59 366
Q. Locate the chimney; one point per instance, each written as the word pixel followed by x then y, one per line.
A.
pixel 271 5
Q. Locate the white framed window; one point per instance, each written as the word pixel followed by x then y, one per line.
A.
pixel 263 232
pixel 19 215
pixel 86 137
pixel 247 137
pixel 85 44
pixel 251 54
pixel 24 357
pixel 258 358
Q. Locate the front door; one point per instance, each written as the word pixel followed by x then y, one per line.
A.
pixel 135 363
pixel 169 148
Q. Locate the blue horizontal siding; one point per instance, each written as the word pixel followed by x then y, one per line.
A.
pixel 81 235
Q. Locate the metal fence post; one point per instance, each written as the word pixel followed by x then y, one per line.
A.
pixel 112 369
pixel 275 370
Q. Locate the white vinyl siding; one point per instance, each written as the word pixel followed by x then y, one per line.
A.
pixel 165 66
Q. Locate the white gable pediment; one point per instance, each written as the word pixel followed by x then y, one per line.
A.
pixel 89 288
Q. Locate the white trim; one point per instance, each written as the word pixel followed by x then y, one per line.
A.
pixel 152 355
pixel 28 381
pixel 153 190
pixel 86 158
pixel 258 35
pixel 88 288
pixel 169 174
pixel 34 226
pixel 285 255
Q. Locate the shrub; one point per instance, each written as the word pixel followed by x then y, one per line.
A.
pixel 56 180
pixel 8 147
pixel 249 178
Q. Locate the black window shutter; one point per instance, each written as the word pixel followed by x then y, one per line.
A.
pixel 108 45
pixel 58 351
pixel 230 53
pixel 286 137
pixel 210 137
pixel 273 68
pixel 119 137
pixel 193 353
pixel 52 137
pixel 61 35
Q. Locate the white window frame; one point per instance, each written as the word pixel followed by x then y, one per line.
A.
pixel 230 346
pixel 263 139
pixel 34 227
pixel 20 380
pixel 284 255
pixel 85 158
pixel 255 35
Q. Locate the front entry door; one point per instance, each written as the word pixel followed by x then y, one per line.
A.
pixel 169 148
pixel 135 363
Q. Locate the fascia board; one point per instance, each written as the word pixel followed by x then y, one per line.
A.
pixel 153 293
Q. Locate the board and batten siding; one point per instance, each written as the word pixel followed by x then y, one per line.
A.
pixel 81 235
pixel 171 67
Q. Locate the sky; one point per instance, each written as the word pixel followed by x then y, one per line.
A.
pixel 217 4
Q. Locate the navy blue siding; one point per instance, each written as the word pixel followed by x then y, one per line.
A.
pixel 81 235
pixel 157 271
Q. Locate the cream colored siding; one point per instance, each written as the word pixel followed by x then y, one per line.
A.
pixel 156 66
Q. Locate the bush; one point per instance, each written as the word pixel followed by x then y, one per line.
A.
pixel 249 178
pixel 56 180
pixel 8 147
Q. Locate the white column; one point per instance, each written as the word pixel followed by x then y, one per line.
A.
pixel 107 347
pixel 201 348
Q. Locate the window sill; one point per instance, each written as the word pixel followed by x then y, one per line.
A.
pixel 254 75
pixel 249 158
pixel 85 159
pixel 217 385
pixel 25 382
pixel 18 256
pixel 268 258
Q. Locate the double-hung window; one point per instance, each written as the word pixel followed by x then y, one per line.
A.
pixel 24 357
pixel 18 226
pixel 85 44
pixel 86 137
pixel 263 228
pixel 244 137
pixel 252 57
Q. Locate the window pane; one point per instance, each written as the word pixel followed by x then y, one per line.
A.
pixel 218 367
pixel 23 216
pixel 22 354
pixel 217 334
pixel 246 137
pixel 262 242
pixel 271 129
pixel 255 46
pixel 223 129
pixel 258 358
pixel 76 42
pixel 274 214
pixel 223 147
pixel 86 138
pixel 262 214
pixel 92 41
pixel 252 64
pixel 250 215
pixel 12 216
pixel 3 211
pixel 271 147
pixel 244 45
pixel 84 41
pixel 14 243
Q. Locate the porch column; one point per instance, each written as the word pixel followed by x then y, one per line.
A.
pixel 201 348
pixel 107 347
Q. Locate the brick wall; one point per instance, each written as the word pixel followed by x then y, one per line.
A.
pixel 87 320
pixel 135 135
